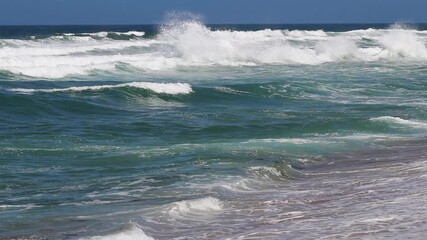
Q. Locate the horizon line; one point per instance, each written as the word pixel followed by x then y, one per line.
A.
pixel 151 24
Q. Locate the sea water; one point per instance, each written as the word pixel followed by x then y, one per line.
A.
pixel 189 131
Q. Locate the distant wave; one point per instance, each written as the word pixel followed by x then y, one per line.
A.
pixel 165 88
pixel 105 34
pixel 191 44
pixel 99 35
pixel 400 121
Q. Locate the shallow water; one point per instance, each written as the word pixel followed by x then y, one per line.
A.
pixel 186 131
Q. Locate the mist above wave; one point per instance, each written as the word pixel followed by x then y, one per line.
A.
pixel 189 43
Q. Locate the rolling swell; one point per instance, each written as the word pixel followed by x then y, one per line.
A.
pixel 264 119
pixel 93 100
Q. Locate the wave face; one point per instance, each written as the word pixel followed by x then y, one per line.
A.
pixel 187 44
pixel 188 131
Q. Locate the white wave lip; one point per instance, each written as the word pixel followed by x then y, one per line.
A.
pixel 102 34
pixel 130 231
pixel 274 173
pixel 267 173
pixel 22 206
pixel 105 34
pixel 192 44
pixel 196 206
pixel 285 140
pixel 135 33
pixel 400 121
pixel 163 88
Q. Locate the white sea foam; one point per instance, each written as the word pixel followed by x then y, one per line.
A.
pixel 402 43
pixel 244 185
pixel 267 173
pixel 58 48
pixel 89 203
pixel 305 35
pixel 375 137
pixel 286 140
pixel 278 172
pixel 196 206
pixel 230 90
pixel 165 88
pixel 190 44
pixel 136 33
pixel 400 121
pixel 335 49
pixel 104 34
pixel 130 231
pixel 20 207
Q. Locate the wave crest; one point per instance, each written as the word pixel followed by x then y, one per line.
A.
pixel 196 206
pixel 162 88
pixel 128 231
pixel 274 173
pixel 400 121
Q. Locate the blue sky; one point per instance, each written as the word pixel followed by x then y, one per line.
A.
pixel 39 12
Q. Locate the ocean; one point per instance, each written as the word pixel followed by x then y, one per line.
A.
pixel 191 131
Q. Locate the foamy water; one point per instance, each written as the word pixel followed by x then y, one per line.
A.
pixel 197 206
pixel 127 232
pixel 192 44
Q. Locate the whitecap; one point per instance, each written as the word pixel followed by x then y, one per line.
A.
pixel 400 121
pixel 188 44
pixel 164 88
pixel 286 140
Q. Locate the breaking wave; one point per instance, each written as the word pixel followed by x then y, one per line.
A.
pixel 275 173
pixel 128 231
pixel 98 35
pixel 196 206
pixel 400 121
pixel 184 44
pixel 164 88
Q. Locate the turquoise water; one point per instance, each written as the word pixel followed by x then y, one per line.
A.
pixel 186 131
